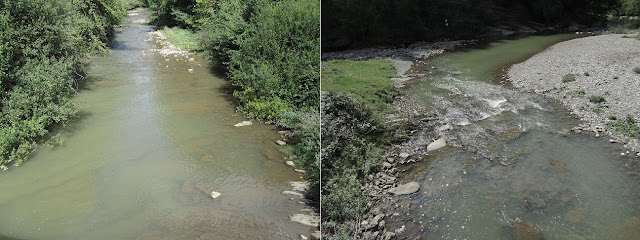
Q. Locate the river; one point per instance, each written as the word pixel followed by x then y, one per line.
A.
pixel 511 157
pixel 151 140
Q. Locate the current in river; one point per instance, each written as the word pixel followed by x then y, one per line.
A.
pixel 513 168
pixel 152 140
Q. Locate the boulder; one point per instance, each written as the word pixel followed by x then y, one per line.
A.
pixel 281 143
pixel 405 189
pixel 437 144
pixel 290 164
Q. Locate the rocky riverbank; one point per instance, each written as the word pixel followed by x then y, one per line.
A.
pixel 594 77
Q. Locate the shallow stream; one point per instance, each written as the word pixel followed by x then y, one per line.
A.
pixel 511 157
pixel 152 139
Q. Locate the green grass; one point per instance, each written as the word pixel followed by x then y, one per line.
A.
pixel 599 108
pixel 366 81
pixel 570 77
pixel 182 38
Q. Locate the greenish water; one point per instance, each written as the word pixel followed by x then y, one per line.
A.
pixel 152 134
pixel 511 155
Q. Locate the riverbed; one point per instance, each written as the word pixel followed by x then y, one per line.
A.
pixel 155 135
pixel 511 157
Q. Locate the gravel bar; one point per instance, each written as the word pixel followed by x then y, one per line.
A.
pixel 603 66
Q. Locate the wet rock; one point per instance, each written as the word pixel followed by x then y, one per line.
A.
pixel 214 194
pixel 283 133
pixel 299 186
pixel 207 159
pixel 405 189
pixel 191 59
pixel 525 230
pixel 290 164
pixel 390 159
pixel 316 235
pixel 299 170
pixel 308 220
pixel 438 144
pixel 389 235
pixel 281 143
pixel 403 155
pixel 243 123
pixel 445 127
pixel 300 195
pixel 370 235
pixel 303 237
pixel 386 165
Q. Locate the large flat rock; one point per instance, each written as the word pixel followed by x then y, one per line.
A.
pixel 405 189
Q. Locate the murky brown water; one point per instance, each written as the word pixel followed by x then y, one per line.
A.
pixel 151 137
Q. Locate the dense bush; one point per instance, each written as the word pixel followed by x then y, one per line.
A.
pixel 352 140
pixel 367 22
pixel 276 65
pixel 44 46
pixel 173 12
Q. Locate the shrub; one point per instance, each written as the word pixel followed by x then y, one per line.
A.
pixel 636 70
pixel 568 78
pixel 352 140
pixel 628 126
pixel 278 57
pixel 596 99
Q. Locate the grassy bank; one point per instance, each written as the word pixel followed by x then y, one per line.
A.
pixel 185 39
pixel 354 96
pixel 45 47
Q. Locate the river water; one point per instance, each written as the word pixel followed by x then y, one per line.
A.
pixel 511 155
pixel 152 138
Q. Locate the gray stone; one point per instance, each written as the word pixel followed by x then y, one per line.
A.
pixel 299 170
pixel 243 123
pixel 405 189
pixel 281 143
pixel 299 186
pixel 293 193
pixel 316 235
pixel 386 165
pixel 308 220
pixel 445 127
pixel 214 194
pixel 403 155
pixel 290 164
pixel 438 144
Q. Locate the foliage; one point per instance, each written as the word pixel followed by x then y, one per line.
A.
pixel 628 126
pixel 44 47
pixel 596 99
pixel 173 12
pixel 304 145
pixel 629 7
pixel 366 81
pixel 276 63
pixel 352 140
pixel 370 22
pixel 568 78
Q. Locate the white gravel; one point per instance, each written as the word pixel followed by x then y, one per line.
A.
pixel 608 60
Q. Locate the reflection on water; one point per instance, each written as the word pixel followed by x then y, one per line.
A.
pixel 515 171
pixel 152 141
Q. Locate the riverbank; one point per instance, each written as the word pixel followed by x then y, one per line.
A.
pixel 595 78
pixel 376 164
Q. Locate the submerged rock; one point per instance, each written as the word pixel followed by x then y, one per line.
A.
pixel 437 144
pixel 243 123
pixel 405 189
pixel 207 159
pixel 525 230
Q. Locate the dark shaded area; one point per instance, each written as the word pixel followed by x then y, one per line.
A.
pixel 359 23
